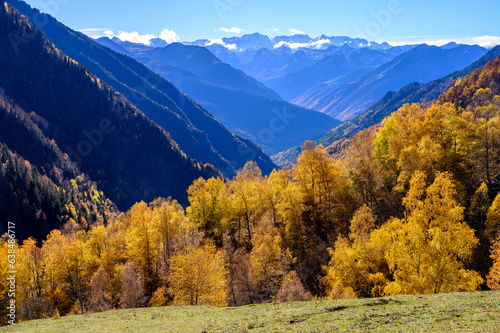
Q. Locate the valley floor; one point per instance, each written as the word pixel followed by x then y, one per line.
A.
pixel 454 312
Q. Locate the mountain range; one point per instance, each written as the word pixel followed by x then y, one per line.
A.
pixel 339 76
pixel 269 63
pixel 203 64
pixel 340 66
pixel 243 104
pixel 257 41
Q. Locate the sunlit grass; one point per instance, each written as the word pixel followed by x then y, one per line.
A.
pixel 455 312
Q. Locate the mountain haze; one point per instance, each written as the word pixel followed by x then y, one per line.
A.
pixel 283 55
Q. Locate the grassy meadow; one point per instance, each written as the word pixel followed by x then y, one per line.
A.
pixel 454 312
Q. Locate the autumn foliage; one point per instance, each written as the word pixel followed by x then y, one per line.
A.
pixel 309 230
pixel 411 207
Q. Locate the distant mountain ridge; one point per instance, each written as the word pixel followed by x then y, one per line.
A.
pixel 339 76
pixel 318 73
pixel 202 63
pixel 291 53
pixel 294 66
pixel 257 41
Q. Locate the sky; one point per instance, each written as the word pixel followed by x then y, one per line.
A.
pixel 395 21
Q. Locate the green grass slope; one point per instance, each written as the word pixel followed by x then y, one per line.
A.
pixel 455 312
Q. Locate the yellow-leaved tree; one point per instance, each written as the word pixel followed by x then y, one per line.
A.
pixel 176 232
pixel 206 198
pixel 323 184
pixel 242 211
pixel 287 209
pixel 486 126
pixel 68 261
pixel 33 281
pixel 429 246
pixel 357 267
pixel 493 278
pixel 399 135
pixel 269 261
pixel 199 277
pixel 143 242
pixel 493 219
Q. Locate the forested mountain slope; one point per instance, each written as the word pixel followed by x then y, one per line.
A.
pixel 196 131
pixel 126 154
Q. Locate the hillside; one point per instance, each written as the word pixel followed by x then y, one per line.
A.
pixel 412 93
pixel 422 64
pixel 462 92
pixel 40 188
pixel 272 124
pixel 457 312
pixel 127 155
pixel 195 130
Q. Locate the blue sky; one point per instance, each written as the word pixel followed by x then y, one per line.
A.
pixel 396 21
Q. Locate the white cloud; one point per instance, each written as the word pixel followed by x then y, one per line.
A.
pixel 135 37
pixel 296 32
pixel 311 45
pixel 214 41
pixel 169 36
pixel 232 47
pixel 233 30
pixel 273 29
pixel 484 41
